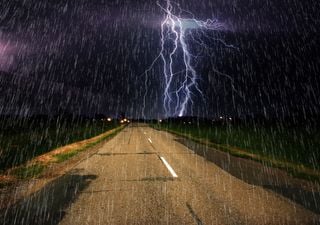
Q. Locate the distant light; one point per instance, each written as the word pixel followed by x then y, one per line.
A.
pixel 125 120
pixel 189 122
pixel 160 121
pixel 128 121
pixel 221 117
pixel 121 121
pixel 109 119
pixel 230 118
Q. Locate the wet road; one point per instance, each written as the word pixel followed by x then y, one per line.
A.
pixel 143 176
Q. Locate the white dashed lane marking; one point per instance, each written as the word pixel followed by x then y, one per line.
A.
pixel 168 167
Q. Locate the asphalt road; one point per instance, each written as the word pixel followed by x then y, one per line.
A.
pixel 144 176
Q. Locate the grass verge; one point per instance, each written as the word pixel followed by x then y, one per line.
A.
pixel 22 139
pixel 26 172
pixel 296 169
pixel 83 145
pixel 65 156
pixel 37 166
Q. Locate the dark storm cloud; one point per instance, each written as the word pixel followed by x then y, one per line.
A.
pixel 6 55
pixel 86 56
pixel 84 45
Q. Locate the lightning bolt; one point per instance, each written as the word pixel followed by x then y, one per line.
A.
pixel 175 54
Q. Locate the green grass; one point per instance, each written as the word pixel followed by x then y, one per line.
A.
pixel 28 172
pixel 22 140
pixel 35 170
pixel 278 142
pixel 65 156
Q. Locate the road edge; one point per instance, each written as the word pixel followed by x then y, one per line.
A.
pixel 19 189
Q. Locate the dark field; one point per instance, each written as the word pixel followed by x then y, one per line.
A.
pixel 23 139
pixel 293 143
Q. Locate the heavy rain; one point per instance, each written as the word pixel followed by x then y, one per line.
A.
pixel 159 112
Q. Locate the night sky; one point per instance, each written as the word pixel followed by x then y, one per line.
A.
pixel 89 56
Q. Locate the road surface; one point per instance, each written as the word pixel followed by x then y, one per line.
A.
pixel 143 176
